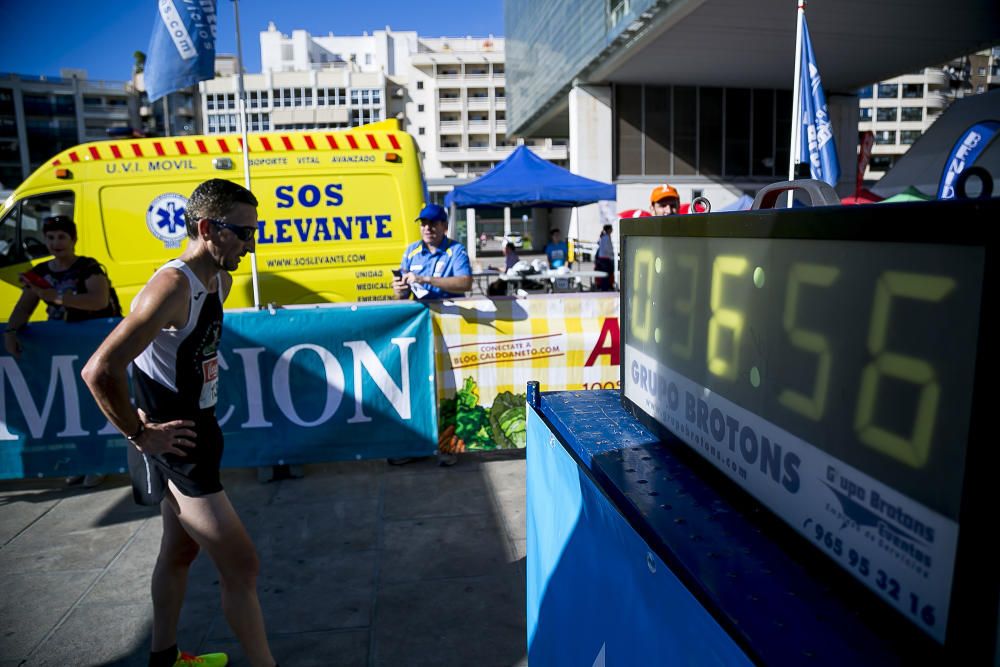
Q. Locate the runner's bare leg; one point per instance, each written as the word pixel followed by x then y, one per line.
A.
pixel 177 552
pixel 213 523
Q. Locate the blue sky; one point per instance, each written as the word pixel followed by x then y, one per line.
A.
pixel 100 37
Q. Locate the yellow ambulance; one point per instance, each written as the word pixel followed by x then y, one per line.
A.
pixel 337 208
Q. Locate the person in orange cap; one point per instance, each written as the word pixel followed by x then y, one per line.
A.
pixel 665 200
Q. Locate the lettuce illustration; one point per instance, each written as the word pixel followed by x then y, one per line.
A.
pixel 508 420
pixel 472 422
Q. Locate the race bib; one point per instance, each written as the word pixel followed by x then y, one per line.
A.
pixel 209 383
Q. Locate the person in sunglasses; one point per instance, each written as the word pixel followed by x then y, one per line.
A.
pixel 172 335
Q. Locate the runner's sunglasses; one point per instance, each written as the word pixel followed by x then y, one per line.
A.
pixel 242 233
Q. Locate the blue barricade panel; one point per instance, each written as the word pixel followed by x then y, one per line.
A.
pixel 639 549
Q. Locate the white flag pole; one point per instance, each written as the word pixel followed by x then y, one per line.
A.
pixel 242 105
pixel 793 154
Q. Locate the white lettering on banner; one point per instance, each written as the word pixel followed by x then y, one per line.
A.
pixel 61 373
pixel 957 165
pixel 64 378
pixel 398 397
pixel 255 394
pixel 334 384
pixel 175 28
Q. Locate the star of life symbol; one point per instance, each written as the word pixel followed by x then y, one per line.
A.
pixel 165 219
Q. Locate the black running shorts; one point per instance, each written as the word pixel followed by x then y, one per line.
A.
pixel 195 473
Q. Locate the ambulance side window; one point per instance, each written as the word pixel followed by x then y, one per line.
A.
pixel 8 237
pixel 21 237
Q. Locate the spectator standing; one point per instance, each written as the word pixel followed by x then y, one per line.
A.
pixel 176 444
pixel 435 267
pixel 605 261
pixel 73 287
pixel 556 250
pixel 665 200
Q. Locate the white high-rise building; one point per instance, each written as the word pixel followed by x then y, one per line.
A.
pixel 899 110
pixel 448 92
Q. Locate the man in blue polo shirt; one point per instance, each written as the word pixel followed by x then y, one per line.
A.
pixel 435 267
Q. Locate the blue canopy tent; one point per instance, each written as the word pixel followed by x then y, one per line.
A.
pixel 524 179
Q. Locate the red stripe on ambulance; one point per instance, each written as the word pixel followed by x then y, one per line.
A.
pixel 137 149
pixel 287 142
pixel 371 140
pixel 159 148
pixel 181 148
pixel 94 153
pixel 392 140
pixel 309 142
pixel 332 142
pixel 266 143
pixel 351 140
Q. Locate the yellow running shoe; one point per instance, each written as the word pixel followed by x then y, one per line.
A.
pixel 204 660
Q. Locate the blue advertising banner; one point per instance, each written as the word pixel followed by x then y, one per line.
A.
pixel 182 47
pixel 964 153
pixel 297 385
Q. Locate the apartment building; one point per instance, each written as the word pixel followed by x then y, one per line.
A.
pixel 899 110
pixel 448 92
pixel 40 116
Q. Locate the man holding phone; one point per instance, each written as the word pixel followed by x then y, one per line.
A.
pixel 435 267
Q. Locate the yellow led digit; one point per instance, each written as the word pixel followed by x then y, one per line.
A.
pixel 914 450
pixel 643 270
pixel 724 318
pixel 686 307
pixel 811 406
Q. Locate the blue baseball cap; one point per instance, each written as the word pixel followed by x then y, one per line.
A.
pixel 433 213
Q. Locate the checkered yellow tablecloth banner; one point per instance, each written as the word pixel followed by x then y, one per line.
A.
pixel 565 341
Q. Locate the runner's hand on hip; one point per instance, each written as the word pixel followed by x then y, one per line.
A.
pixel 166 438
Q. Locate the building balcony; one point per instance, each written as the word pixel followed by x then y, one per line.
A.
pixel 481 103
pixel 450 127
pixel 501 126
pixel 106 111
pixel 500 102
pixel 479 148
pixel 449 149
pixel 480 125
pixel 450 103
pixel 477 76
pixel 935 101
pixel 936 77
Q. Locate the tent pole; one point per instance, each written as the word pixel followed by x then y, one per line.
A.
pixel 506 224
pixel 470 226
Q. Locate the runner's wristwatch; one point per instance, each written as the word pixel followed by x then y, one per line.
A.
pixel 138 432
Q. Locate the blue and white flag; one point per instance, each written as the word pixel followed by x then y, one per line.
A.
pixel 816 145
pixel 965 151
pixel 182 49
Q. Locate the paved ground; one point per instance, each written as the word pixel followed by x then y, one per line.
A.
pixel 363 564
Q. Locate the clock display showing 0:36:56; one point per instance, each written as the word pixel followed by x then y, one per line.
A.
pixel 865 350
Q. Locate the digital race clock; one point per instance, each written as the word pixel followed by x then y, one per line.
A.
pixel 832 363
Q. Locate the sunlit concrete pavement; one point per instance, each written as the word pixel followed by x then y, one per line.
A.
pixel 362 564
